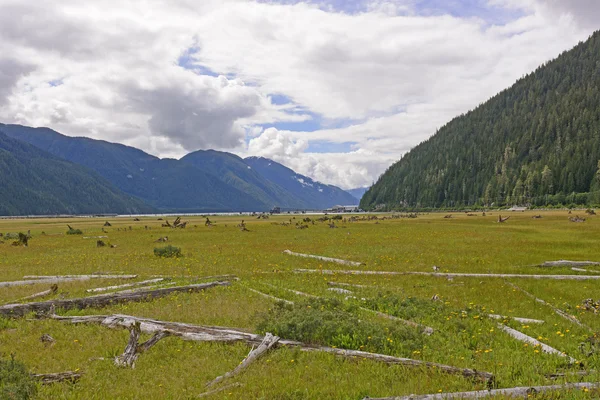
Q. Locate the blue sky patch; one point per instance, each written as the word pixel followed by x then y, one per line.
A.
pixel 329 147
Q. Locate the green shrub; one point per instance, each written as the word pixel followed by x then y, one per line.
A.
pixel 168 251
pixel 15 381
pixel 406 308
pixel 74 232
pixel 333 323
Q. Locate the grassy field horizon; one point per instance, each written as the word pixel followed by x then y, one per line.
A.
pixel 455 307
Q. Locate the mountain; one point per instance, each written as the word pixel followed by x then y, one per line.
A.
pixel 315 194
pixel 234 171
pixel 35 182
pixel 537 142
pixel 358 193
pixel 167 184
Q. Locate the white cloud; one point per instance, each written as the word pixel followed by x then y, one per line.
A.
pixel 109 70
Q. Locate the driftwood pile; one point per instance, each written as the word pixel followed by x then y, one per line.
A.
pixel 576 218
pixel 176 224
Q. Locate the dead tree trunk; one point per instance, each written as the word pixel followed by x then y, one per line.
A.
pixel 556 310
pixel 268 342
pixel 517 392
pixel 133 349
pixel 446 274
pixel 58 377
pixel 229 335
pixel 107 288
pixel 31 280
pixel 19 310
pixel 53 289
pixel 328 259
pixel 528 339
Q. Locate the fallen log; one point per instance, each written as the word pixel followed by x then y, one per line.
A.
pixel 555 309
pixel 90 276
pixel 229 335
pixel 19 310
pixel 95 237
pixel 268 342
pixel 133 349
pixel 58 377
pixel 569 373
pixel 349 285
pixel 524 392
pixel 269 296
pixel 567 263
pixel 521 320
pixel 107 288
pixel 59 279
pixel 446 274
pixel 528 339
pixel 328 259
pixel 222 388
pixel 53 289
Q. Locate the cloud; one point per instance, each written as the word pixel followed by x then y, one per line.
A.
pixel 390 72
pixel 196 111
pixel 10 72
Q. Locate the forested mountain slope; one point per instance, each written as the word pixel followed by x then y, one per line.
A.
pixel 537 142
pixel 35 182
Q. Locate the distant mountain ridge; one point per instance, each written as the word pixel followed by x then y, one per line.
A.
pixel 358 193
pixel 202 181
pixel 313 193
pixel 35 182
pixel 536 143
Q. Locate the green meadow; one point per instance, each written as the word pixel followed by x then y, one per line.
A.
pixel 456 308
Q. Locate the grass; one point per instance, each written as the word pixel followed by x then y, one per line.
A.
pixel 175 369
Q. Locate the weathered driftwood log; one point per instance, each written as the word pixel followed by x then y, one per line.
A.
pixel 576 218
pixel 528 339
pixel 521 320
pixel 447 274
pixel 58 377
pixel 220 334
pixel 96 275
pixel 126 285
pixel 53 289
pixel 340 290
pixel 269 296
pixel 95 237
pixel 269 341
pixel 58 279
pixel 569 373
pixel 328 259
pixel 349 285
pixel 555 309
pixel 222 388
pixel 19 310
pixel 133 349
pixel 502 219
pixel 144 288
pixel 517 392
pixel 567 263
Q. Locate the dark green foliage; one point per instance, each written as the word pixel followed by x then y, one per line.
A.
pixel 72 231
pixel 168 251
pixel 410 308
pixel 15 381
pixel 333 323
pixel 536 143
pixel 36 182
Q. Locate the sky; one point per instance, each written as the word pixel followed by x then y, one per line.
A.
pixel 336 90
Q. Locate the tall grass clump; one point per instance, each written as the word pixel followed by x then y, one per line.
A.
pixel 15 381
pixel 168 252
